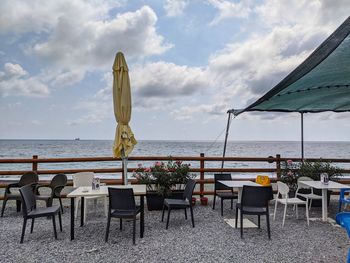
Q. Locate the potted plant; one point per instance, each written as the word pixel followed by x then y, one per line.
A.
pixel 163 180
pixel 204 200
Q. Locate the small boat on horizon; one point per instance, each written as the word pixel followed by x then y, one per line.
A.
pixel 77 139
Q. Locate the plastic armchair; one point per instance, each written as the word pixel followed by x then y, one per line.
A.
pixel 343 199
pixel 31 211
pixel 85 179
pixel 56 185
pixel 283 190
pixel 27 178
pixel 343 219
pixel 308 196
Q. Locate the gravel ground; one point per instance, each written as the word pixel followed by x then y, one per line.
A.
pixel 212 240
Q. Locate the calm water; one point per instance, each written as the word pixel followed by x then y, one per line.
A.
pixel 90 148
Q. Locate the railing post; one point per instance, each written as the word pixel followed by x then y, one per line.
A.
pixel 35 164
pixel 278 166
pixel 201 176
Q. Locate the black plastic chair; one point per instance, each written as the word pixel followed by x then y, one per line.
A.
pixel 122 205
pixel 183 203
pixel 27 178
pixel 222 191
pixel 56 185
pixel 30 211
pixel 255 201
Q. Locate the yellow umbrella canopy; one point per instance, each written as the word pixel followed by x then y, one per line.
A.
pixel 124 138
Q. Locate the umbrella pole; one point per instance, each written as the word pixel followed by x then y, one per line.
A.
pixel 125 167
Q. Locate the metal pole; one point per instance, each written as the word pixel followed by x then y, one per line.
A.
pixel 226 136
pixel 125 170
pixel 302 136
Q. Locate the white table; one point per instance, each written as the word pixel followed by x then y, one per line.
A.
pixel 238 185
pixel 84 191
pixel 324 187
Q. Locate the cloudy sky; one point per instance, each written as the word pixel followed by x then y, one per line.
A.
pixel 189 61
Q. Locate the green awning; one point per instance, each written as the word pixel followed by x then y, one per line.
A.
pixel 320 83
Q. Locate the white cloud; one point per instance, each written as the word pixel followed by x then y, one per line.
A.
pixel 175 7
pixel 91 44
pixel 15 81
pixel 229 10
pixel 73 37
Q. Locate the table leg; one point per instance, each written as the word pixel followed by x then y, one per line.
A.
pixel 324 205
pixel 82 206
pixel 142 219
pixel 72 201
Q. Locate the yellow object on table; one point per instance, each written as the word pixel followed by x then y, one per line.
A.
pixel 263 180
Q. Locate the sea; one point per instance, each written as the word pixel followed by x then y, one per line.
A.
pixel 99 148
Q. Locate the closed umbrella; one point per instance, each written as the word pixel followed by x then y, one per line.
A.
pixel 124 138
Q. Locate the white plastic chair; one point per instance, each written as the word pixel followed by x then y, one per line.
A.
pixel 283 189
pixel 85 179
pixel 310 196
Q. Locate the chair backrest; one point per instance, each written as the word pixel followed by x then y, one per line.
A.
pixel 121 199
pixel 222 177
pixel 304 178
pixel 256 196
pixel 59 180
pixel 282 189
pixel 83 179
pixel 188 192
pixel 28 198
pixel 28 178
pixel 263 180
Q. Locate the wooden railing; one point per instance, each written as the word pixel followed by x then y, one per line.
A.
pixel 202 169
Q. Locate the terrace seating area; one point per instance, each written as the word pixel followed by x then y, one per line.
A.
pixel 212 240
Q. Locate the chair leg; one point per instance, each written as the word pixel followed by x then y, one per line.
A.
pixel 163 213
pixel 268 224
pixel 296 211
pixel 54 226
pixel 60 220
pixel 284 214
pixel 23 229
pixel 3 206
pixel 222 207
pixel 185 213
pixel 18 205
pixel 214 201
pixel 274 212
pixel 192 218
pixel 107 228
pixel 167 220
pixel 32 226
pixel 258 221
pixel 120 224
pixel 236 223
pixel 310 204
pixel 59 199
pixel 241 223
pixel 134 230
pixel 231 204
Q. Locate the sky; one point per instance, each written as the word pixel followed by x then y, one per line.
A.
pixel 189 61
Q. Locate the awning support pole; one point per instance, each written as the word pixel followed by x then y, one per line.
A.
pixel 226 136
pixel 302 136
